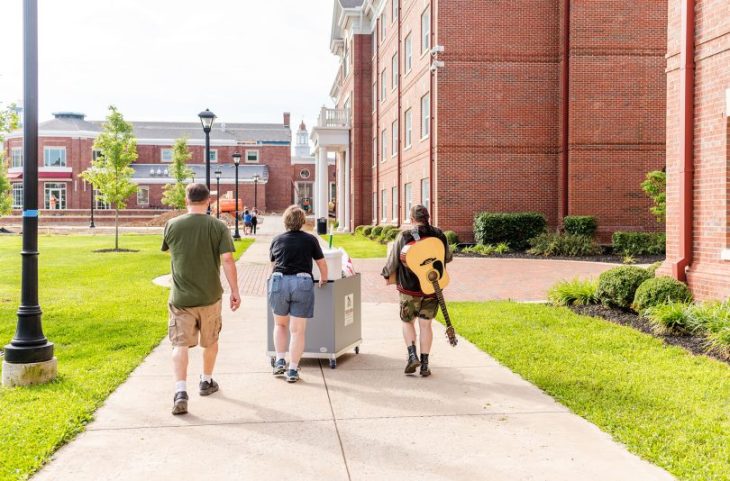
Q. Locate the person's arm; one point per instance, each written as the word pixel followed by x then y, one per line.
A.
pixel 323 274
pixel 449 256
pixel 391 265
pixel 229 268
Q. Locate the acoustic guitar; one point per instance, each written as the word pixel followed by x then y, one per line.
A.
pixel 425 258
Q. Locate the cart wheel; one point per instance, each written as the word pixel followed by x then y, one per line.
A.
pixel 357 349
pixel 333 363
pixel 273 361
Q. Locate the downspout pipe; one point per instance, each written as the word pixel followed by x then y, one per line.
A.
pixel 401 216
pixel 686 142
pixel 378 139
pixel 565 114
pixel 431 124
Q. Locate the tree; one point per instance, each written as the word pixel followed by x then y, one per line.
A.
pixel 655 187
pixel 8 123
pixel 110 173
pixel 174 194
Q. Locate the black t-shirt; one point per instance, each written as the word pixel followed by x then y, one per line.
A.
pixel 292 252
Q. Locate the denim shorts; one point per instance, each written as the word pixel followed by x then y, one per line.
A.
pixel 292 295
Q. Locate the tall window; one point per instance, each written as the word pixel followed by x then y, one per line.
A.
pixel 143 196
pixel 252 156
pixel 408 128
pixel 95 154
pixel 425 115
pixel 394 71
pixel 425 30
pixel 408 49
pixel 384 205
pixel 213 155
pixel 346 60
pixel 394 135
pixel 382 27
pixel 333 192
pixel 383 145
pixel 394 10
pixel 375 151
pixel 394 210
pixel 16 157
pixel 54 195
pixel 54 156
pixel 17 196
pixel 375 206
pixel 425 192
pixel 383 88
pixel 166 155
pixel 375 95
pixel 407 200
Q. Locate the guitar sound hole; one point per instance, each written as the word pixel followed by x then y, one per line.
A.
pixel 439 266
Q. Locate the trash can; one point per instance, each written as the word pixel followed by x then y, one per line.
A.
pixel 321 226
pixel 336 327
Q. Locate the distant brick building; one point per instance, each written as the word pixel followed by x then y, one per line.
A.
pixel 528 105
pixel 66 149
pixel 698 146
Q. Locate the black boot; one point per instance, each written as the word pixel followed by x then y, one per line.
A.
pixel 425 371
pixel 412 363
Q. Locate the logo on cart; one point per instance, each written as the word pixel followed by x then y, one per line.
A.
pixel 349 309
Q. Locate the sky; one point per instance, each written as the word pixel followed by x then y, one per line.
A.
pixel 246 60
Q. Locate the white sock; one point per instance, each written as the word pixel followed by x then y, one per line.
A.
pixel 181 386
pixel 293 365
pixel 280 355
pixel 206 377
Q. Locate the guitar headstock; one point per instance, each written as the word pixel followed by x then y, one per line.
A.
pixel 451 335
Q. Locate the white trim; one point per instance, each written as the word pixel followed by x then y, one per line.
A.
pixel 162 155
pixel 258 157
pixel 725 255
pixel 54 169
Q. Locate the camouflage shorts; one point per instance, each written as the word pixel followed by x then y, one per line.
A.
pixel 412 307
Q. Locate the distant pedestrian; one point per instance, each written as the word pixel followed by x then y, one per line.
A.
pixel 247 222
pixel 197 243
pixel 254 219
pixel 291 294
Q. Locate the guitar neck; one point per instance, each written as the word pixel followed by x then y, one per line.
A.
pixel 442 302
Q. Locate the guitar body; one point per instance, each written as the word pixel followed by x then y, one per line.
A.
pixel 423 257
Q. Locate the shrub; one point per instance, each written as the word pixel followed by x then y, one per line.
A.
pixel 639 243
pixel 574 293
pixel 367 230
pixel 481 249
pixel 501 248
pixel 515 229
pixel 672 318
pixel 386 229
pixel 390 235
pixel 617 287
pixel 713 319
pixel 551 244
pixel 660 290
pixel 375 232
pixel 652 268
pixel 451 237
pixel 580 225
pixel 359 229
pixel 655 186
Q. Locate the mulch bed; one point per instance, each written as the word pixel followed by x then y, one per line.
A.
pixel 694 344
pixel 607 258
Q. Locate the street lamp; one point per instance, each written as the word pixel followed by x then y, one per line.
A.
pixel 218 193
pixel 206 119
pixel 236 161
pixel 255 191
pixel 28 359
pixel 92 225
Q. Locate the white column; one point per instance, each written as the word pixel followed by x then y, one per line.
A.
pixel 340 165
pixel 315 185
pixel 347 198
pixel 322 184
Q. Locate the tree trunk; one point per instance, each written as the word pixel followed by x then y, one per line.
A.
pixel 116 228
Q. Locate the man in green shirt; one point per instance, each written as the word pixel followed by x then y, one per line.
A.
pixel 198 243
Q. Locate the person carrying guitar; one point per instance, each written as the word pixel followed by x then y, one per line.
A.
pixel 413 302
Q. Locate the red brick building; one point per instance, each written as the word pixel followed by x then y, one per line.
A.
pixel 698 146
pixel 66 149
pixel 527 105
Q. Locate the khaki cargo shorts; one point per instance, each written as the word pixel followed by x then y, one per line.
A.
pixel 412 307
pixel 187 324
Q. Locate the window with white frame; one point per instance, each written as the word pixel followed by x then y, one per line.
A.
pixel 425 115
pixel 407 201
pixel 17 196
pixel 408 53
pixel 383 88
pixel 333 192
pixel 394 71
pixel 408 127
pixel 99 202
pixel 384 205
pixel 252 156
pixel 214 156
pixel 16 157
pixel 166 155
pixel 54 156
pixel 425 31
pixel 375 206
pixel 394 207
pixel 375 95
pixel 95 154
pixel 425 192
pixel 375 151
pixel 394 10
pixel 382 27
pixel 143 196
pixel 394 136
pixel 54 195
pixel 374 41
pixel 383 145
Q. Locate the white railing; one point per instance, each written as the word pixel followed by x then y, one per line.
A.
pixel 334 118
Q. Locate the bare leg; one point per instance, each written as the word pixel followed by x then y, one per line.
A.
pixel 281 333
pixel 426 332
pixel 409 333
pixel 180 363
pixel 209 355
pixel 298 329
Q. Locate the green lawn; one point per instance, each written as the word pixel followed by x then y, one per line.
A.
pixel 664 404
pixel 358 246
pixel 104 315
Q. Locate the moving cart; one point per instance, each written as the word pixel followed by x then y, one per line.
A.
pixel 336 327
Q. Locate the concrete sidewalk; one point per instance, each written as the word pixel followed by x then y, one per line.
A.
pixel 472 420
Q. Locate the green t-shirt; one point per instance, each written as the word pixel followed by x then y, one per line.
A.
pixel 196 242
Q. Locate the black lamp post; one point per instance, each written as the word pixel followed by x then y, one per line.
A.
pixel 218 193
pixel 93 199
pixel 29 345
pixel 255 191
pixel 206 119
pixel 236 161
